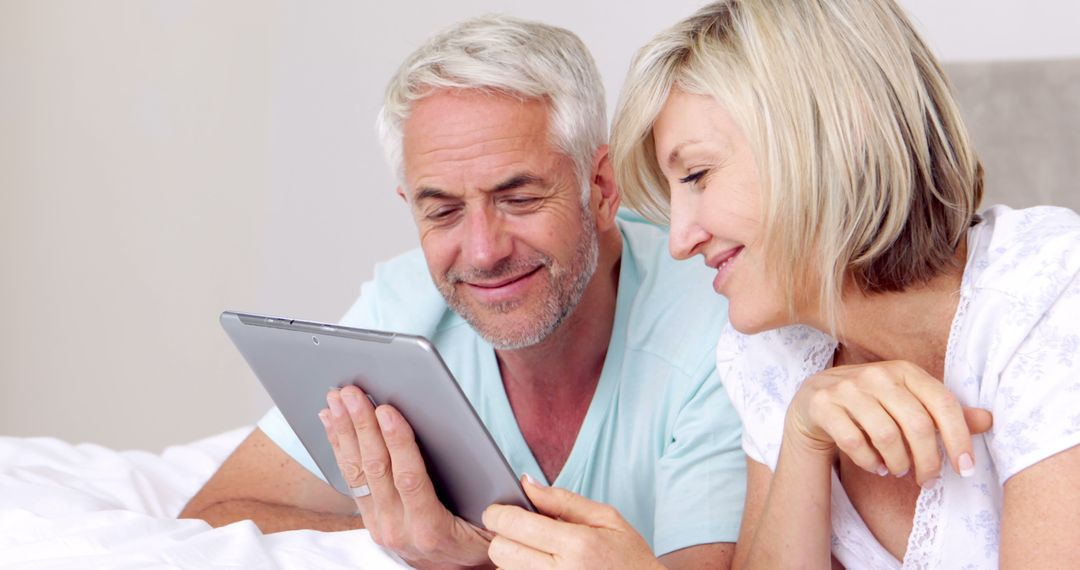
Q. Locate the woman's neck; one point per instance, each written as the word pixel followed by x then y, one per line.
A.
pixel 912 325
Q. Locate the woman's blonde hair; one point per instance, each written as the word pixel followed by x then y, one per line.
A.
pixel 859 143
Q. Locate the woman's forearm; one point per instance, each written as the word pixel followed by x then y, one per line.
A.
pixel 794 530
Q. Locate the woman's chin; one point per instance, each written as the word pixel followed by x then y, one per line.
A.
pixel 750 322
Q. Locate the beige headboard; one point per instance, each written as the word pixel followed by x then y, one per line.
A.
pixel 1025 120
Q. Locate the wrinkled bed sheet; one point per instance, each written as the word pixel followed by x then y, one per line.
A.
pixel 86 506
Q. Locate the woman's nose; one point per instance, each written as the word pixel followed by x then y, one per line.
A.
pixel 685 235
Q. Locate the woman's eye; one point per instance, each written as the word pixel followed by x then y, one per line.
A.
pixel 694 178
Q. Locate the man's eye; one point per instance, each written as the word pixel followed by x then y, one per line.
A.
pixel 441 214
pixel 520 201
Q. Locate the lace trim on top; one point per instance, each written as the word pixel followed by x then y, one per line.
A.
pixel 922 547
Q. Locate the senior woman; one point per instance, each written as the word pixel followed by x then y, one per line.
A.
pixel 811 152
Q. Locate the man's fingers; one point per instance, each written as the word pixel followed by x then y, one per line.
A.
pixel 978 420
pixel 507 553
pixel 339 431
pixel 410 475
pixel 376 459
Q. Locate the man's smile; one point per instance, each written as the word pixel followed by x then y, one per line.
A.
pixel 506 289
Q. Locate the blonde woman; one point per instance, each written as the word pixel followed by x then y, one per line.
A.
pixel 811 152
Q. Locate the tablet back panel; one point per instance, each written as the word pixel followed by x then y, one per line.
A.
pixel 298 362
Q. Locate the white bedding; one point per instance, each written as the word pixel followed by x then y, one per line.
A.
pixel 85 506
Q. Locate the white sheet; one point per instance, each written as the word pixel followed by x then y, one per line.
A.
pixel 85 506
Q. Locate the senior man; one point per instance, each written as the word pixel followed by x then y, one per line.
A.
pixel 587 351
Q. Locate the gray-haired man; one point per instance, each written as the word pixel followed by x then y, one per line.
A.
pixel 584 347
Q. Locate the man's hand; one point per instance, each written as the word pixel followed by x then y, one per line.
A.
pixel 376 447
pixel 579 534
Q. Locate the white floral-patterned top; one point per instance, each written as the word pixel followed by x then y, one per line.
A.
pixel 1014 349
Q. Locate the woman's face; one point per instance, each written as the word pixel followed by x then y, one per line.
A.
pixel 716 206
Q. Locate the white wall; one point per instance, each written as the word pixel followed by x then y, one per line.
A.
pixel 163 160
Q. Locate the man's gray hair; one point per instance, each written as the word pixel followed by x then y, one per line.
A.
pixel 505 55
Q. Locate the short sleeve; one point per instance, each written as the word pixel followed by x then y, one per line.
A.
pixel 701 477
pixel 364 313
pixel 1037 403
pixel 275 427
pixel 762 373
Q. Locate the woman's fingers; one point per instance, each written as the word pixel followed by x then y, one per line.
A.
pixel 849 439
pixel 881 428
pixel 898 411
pixel 978 420
pixel 948 418
pixel 508 553
pixel 914 421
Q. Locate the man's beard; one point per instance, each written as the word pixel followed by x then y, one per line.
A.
pixel 564 288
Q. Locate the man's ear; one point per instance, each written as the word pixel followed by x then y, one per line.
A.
pixel 603 183
pixel 401 193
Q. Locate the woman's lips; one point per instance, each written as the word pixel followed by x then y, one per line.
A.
pixel 723 264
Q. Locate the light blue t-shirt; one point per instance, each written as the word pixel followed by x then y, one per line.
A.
pixel 660 441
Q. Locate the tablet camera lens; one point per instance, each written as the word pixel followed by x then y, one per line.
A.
pixel 315 340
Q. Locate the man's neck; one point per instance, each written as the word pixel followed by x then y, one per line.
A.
pixel 550 385
pixel 569 361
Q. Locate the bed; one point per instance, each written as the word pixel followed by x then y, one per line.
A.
pixel 86 506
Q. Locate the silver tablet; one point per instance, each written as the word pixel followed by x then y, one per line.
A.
pixel 298 362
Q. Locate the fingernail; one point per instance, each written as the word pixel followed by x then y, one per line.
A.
pixel 967 465
pixel 882 470
pixel 351 403
pixel 335 406
pixel 322 418
pixel 384 417
pixel 529 479
pixel 903 473
pixel 929 483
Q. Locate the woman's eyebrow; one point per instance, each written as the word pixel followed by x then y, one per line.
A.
pixel 673 157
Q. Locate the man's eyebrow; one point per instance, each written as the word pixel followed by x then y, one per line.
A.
pixel 428 193
pixel 518 181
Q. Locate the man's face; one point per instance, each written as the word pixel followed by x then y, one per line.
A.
pixel 506 238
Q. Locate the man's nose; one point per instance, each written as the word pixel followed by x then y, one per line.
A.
pixel 487 241
pixel 685 235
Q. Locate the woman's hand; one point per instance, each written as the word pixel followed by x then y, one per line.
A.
pixel 576 533
pixel 886 417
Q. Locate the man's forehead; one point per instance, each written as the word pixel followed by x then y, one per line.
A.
pixel 457 118
pixel 474 138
